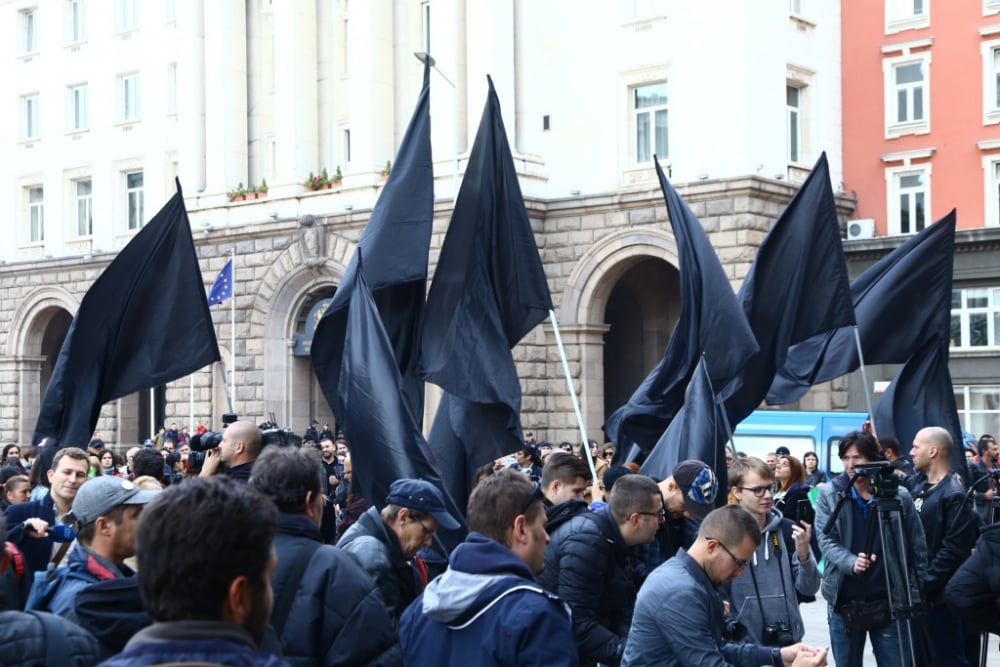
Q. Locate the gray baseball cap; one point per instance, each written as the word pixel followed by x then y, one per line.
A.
pixel 98 496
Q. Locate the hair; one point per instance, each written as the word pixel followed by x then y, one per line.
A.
pixel 147 483
pixel 15 482
pixel 612 474
pixel 985 440
pixel 95 466
pixel 729 524
pixel 286 475
pixel 148 462
pixel 798 476
pixel 631 493
pixel 37 475
pixel 867 446
pixel 6 450
pixel 498 500
pixel 74 453
pixel 738 471
pixel 565 467
pixel 891 444
pixel 941 439
pixel 807 455
pixel 85 534
pixel 194 539
pixel 115 459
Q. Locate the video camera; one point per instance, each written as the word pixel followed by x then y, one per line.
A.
pixel 885 482
pixel 271 434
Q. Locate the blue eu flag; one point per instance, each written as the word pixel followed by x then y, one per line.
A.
pixel 222 288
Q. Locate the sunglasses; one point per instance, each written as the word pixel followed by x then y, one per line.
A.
pixel 536 495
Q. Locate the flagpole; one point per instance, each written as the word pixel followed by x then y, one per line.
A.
pixel 190 402
pixel 222 372
pixel 152 412
pixel 864 379
pixel 572 395
pixel 232 336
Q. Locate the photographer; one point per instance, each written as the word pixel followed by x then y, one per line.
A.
pixel 854 580
pixel 240 447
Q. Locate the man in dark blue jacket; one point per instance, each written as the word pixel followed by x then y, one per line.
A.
pixel 486 609
pixel 327 610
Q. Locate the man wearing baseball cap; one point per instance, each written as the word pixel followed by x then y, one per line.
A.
pixel 105 512
pixel 386 542
pixel 688 496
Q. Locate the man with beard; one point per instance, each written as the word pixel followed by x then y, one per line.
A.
pixel 207 552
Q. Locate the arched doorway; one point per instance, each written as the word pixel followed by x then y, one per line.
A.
pixel 641 312
pixel 308 402
pixel 53 336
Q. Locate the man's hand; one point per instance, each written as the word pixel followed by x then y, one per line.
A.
pixel 36 527
pixel 863 563
pixel 333 481
pixel 989 494
pixel 213 460
pixel 802 534
pixel 802 655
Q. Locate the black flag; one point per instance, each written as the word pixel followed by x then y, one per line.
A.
pixel 396 242
pixel 117 343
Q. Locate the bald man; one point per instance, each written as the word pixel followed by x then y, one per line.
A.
pixel 240 447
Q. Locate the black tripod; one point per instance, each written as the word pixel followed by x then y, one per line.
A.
pixel 859 615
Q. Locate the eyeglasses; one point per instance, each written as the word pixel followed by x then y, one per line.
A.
pixel 608 455
pixel 758 491
pixel 740 563
pixel 536 495
pixel 427 531
pixel 661 515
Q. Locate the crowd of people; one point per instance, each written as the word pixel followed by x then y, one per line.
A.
pixel 254 555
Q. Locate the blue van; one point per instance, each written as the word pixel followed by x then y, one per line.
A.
pixel 801 431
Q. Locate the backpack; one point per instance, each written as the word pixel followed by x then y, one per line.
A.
pixel 46 583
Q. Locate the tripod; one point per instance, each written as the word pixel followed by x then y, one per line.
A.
pixel 887 520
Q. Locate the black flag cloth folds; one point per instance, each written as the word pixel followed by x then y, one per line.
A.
pixel 373 413
pixel 117 343
pixel 900 302
pixel 711 324
pixel 489 290
pixel 797 288
pixel 396 242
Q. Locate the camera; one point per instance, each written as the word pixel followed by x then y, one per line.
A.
pixel 734 631
pixel 777 634
pixel 885 483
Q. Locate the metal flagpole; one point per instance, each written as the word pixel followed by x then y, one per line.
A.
pixel 152 412
pixel 864 377
pixel 572 395
pixel 232 335
pixel 191 401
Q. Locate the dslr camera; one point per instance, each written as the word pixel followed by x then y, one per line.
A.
pixel 885 483
pixel 777 634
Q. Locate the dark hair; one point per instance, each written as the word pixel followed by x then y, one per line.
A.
pixel 148 461
pixel 533 453
pixel 13 482
pixel 116 460
pixel 194 539
pixel 891 444
pixel 729 524
pixel 565 467
pixel 497 501
pixel 632 493
pixel 613 474
pixel 985 440
pixel 6 449
pixel 286 475
pixel 798 476
pixel 867 446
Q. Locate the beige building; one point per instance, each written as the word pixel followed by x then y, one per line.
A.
pixel 115 99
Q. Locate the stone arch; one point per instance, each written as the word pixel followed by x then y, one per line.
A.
pixel 32 318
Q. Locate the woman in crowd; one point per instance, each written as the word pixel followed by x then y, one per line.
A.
pixel 110 463
pixel 16 490
pixel 12 457
pixel 814 476
pixel 791 481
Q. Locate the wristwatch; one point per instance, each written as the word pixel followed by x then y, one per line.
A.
pixel 776 658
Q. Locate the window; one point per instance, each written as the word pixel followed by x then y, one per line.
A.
pixel 795 7
pixel 425 26
pixel 649 104
pixel 171 88
pixel 84 208
pixel 129 90
pixel 79 108
pixel 906 15
pixel 134 199
pixel 126 15
pixel 991 7
pixel 975 318
pixel 909 200
pixel 979 408
pixel 991 169
pixel 793 111
pixel 907 89
pixel 29 117
pixel 29 30
pixel 638 10
pixel 347 146
pixel 77 16
pixel 991 82
pixel 36 215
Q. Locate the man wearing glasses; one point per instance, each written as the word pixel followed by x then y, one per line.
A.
pixel 487 609
pixel 386 542
pixel 678 616
pixel 764 598
pixel 587 565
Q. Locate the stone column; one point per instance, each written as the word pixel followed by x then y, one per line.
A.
pixel 20 381
pixel 490 50
pixel 295 92
pixel 584 345
pixel 226 95
pixel 370 64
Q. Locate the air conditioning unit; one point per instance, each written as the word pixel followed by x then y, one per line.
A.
pixel 860 229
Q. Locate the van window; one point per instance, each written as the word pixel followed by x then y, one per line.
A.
pixel 760 445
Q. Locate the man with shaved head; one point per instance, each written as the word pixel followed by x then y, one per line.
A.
pixel 240 447
pixel 950 531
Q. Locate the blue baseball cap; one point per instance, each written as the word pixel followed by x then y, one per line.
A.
pixel 424 497
pixel 698 485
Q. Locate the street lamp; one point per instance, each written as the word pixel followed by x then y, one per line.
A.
pixel 428 59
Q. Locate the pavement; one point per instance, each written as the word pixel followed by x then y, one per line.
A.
pixel 818 634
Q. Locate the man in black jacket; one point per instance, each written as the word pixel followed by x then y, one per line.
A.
pixel 327 611
pixel 587 565
pixel 950 532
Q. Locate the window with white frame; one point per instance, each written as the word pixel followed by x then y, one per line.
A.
pixel 991 7
pixel 991 81
pixel 425 26
pixel 906 15
pixel 171 88
pixel 347 145
pixel 978 408
pixel 795 7
pixel 84 207
pixel 79 108
pixel 907 90
pixel 28 30
pixel 36 214
pixel 975 318
pixel 126 15
pixel 909 199
pixel 128 88
pixel 637 10
pixel 649 122
pixel 793 122
pixel 30 117
pixel 76 16
pixel 991 173
pixel 134 199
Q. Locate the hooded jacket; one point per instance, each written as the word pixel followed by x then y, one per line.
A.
pixel 779 575
pixel 86 568
pixel 486 609
pixel 193 641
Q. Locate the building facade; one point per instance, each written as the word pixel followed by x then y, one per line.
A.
pixel 113 100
